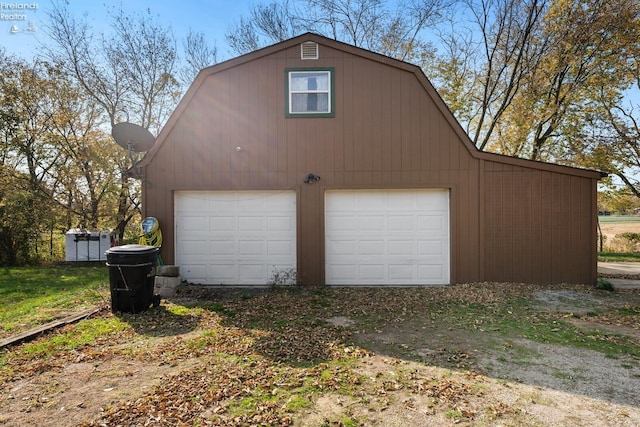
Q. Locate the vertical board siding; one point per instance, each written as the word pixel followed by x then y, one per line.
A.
pixel 388 132
pixel 536 227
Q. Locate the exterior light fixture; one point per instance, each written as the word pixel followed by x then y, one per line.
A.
pixel 311 178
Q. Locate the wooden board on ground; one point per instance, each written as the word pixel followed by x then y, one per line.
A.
pixel 24 336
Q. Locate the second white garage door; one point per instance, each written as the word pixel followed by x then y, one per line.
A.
pixel 235 237
pixel 387 237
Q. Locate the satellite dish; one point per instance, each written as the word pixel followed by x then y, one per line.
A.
pixel 133 137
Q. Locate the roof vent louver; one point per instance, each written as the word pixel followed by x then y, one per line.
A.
pixel 309 50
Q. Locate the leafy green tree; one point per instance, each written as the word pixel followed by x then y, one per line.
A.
pixel 84 179
pixel 29 156
pixel 590 45
pixel 17 216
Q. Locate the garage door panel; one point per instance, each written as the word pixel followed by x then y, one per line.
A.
pixel 344 201
pixel 194 224
pixel 195 203
pixel 277 248
pixel 400 247
pixel 222 223
pixel 224 273
pixel 342 223
pixel 371 223
pixel 343 247
pixel 371 201
pixel 234 237
pixel 431 272
pixel 197 271
pixel 342 273
pixel 250 224
pixel 432 247
pixel 222 247
pixel 404 198
pixel 432 222
pixel 194 247
pixel 395 237
pixel 401 272
pixel 251 273
pixel 250 247
pixel 278 201
pixel 251 203
pixel 372 272
pixel 404 223
pixel 432 201
pixel 280 223
pixel 372 247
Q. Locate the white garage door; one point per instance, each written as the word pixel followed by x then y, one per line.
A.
pixel 235 237
pixel 387 237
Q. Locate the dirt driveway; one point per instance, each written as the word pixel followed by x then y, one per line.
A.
pixel 477 354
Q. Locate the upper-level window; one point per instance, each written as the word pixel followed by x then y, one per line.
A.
pixel 310 92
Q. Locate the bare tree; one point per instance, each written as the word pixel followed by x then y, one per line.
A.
pixel 97 70
pixel 369 24
pixel 197 55
pixel 508 28
pixel 614 143
pixel 130 72
pixel 357 22
pixel 146 53
pixel 266 24
pixel 528 76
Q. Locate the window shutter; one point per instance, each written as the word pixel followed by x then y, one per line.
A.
pixel 309 50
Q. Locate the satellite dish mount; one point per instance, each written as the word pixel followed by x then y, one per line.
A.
pixel 133 138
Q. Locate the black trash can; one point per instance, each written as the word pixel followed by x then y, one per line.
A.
pixel 131 277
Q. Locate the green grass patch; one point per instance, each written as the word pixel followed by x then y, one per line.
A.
pixel 517 318
pixel 619 257
pixel 71 338
pixel 627 311
pixel 35 295
pixel 614 219
pixel 297 403
pixel 455 415
pixel 80 334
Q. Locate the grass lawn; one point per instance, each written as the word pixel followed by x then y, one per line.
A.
pixel 607 219
pixel 619 256
pixel 30 296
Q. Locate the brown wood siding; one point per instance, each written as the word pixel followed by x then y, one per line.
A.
pixel 388 132
pixel 538 226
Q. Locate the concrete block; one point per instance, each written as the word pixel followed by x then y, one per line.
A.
pixel 166 286
pixel 168 270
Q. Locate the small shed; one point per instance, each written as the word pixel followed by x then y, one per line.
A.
pixel 340 166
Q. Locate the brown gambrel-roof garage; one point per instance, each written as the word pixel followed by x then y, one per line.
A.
pixel 345 167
